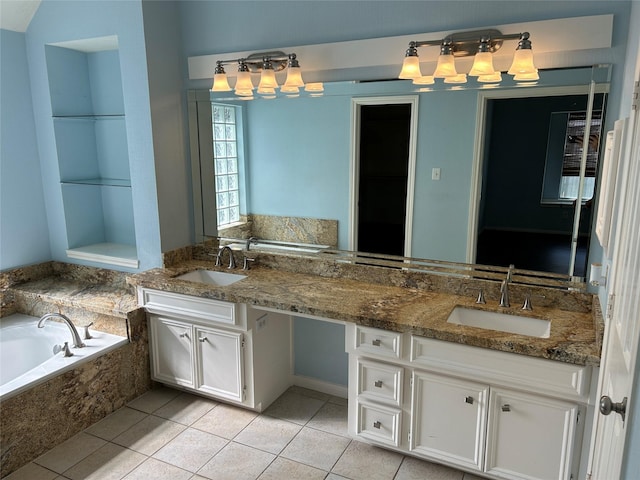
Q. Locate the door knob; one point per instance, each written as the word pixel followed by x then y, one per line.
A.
pixel 607 406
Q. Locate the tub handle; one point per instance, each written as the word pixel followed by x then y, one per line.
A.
pixel 67 351
pixel 87 334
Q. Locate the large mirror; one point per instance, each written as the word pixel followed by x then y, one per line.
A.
pixel 481 186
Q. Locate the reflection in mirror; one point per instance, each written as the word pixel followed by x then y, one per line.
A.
pixel 297 164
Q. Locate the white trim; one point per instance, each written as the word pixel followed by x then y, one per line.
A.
pixel 320 386
pixel 479 144
pixel 354 163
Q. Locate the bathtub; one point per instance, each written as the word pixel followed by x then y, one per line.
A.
pixel 27 352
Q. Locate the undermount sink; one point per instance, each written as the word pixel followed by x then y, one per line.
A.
pixel 212 277
pixel 501 322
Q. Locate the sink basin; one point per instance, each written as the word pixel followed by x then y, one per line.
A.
pixel 211 277
pixel 501 322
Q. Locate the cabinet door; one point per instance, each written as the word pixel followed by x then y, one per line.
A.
pixel 171 351
pixel 530 437
pixel 219 365
pixel 448 419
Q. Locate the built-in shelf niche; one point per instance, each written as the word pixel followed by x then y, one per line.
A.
pixel 89 124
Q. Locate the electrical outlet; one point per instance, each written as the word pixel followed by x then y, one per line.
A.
pixel 435 174
pixel 261 323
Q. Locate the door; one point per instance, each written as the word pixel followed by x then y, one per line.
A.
pixel 382 171
pixel 449 418
pixel 171 344
pixel 530 437
pixel 219 363
pixel 622 323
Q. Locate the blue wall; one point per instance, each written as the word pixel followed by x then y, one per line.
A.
pixel 23 222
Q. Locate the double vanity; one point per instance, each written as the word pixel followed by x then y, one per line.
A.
pixel 499 391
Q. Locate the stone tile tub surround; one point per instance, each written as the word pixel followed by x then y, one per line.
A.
pixel 409 302
pixel 43 417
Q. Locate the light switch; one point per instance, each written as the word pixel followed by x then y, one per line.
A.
pixel 435 174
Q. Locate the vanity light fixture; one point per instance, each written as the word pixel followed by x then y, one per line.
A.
pixel 482 44
pixel 265 63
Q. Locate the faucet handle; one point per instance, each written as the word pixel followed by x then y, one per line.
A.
pixel 67 351
pixel 480 299
pixel 246 265
pixel 87 334
pixel 527 302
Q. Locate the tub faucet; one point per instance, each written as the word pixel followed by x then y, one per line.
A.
pixel 504 288
pixel 232 262
pixel 77 341
pixel 250 240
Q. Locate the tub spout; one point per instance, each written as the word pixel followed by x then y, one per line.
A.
pixel 77 341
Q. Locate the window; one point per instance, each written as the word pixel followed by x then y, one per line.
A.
pixel 572 156
pixel 225 156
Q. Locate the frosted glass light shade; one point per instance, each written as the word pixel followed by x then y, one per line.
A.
pixel 522 62
pixel 446 67
pixel 294 77
pixel 410 68
pixel 266 90
pixel 495 77
pixel 244 83
pixel 220 83
pixel 526 77
pixel 314 87
pixel 268 79
pixel 482 64
pixel 459 78
pixel 424 80
pixel 289 89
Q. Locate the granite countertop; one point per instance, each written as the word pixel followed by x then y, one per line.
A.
pixel 574 336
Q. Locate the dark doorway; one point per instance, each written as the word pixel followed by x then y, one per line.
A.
pixel 385 132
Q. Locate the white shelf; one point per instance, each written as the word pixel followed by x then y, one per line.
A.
pixel 111 253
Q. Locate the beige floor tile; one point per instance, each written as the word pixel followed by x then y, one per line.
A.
pixel 70 452
pixel 338 400
pixel 113 425
pixel 331 418
pixel 32 471
pixel 282 468
pixel 268 434
pixel 315 448
pixel 152 400
pixel 308 393
pixel 333 476
pixel 191 449
pixel 155 469
pixel 294 407
pixel 111 462
pixel 416 469
pixel 185 408
pixel 236 462
pixel 470 476
pixel 225 421
pixel 149 435
pixel 361 461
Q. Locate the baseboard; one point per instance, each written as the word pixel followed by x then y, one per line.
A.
pixel 320 386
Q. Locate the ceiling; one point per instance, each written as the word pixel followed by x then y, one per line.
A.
pixel 16 15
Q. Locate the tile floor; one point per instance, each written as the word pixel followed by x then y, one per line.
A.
pixel 167 434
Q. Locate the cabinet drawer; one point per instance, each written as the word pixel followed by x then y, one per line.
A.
pixel 535 374
pixel 380 382
pixel 379 423
pixel 378 342
pixel 156 301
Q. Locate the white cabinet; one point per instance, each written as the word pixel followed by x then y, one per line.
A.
pixel 503 415
pixel 226 351
pixel 530 436
pixel 448 418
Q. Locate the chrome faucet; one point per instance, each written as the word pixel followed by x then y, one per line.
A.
pixel 504 288
pixel 249 241
pixel 232 261
pixel 77 341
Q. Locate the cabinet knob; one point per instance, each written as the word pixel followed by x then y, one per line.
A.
pixel 203 339
pixel 183 335
pixel 378 383
pixel 377 425
pixel 506 407
pixel 607 406
pixel 468 399
pixel 376 342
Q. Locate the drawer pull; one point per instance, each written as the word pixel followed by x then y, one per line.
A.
pixel 378 383
pixel 468 399
pixel 377 425
pixel 203 339
pixel 376 342
pixel 506 407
